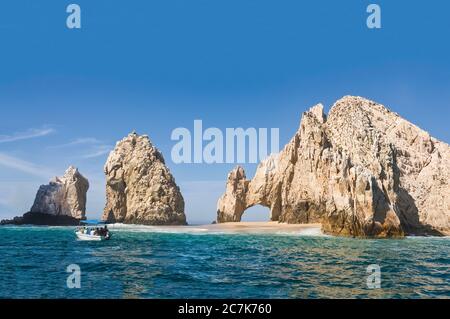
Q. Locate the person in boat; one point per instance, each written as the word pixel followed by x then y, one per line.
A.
pixel 97 231
pixel 106 230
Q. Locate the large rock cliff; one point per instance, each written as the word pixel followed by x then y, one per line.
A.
pixel 362 171
pixel 61 202
pixel 139 187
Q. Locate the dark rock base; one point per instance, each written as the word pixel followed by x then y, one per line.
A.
pixel 41 219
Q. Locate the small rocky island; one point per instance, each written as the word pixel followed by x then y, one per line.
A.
pixel 139 187
pixel 62 202
pixel 361 171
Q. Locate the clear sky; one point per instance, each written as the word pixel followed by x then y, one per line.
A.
pixel 66 96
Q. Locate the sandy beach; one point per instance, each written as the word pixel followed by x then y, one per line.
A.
pixel 260 226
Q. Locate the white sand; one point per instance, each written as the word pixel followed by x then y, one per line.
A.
pixel 242 226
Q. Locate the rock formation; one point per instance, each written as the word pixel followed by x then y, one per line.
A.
pixel 139 187
pixel 61 202
pixel 362 171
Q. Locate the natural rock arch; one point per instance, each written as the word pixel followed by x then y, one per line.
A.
pixel 362 171
pixel 242 194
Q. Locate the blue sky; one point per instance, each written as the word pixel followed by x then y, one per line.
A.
pixel 66 96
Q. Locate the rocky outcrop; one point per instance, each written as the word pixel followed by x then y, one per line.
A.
pixel 139 187
pixel 61 202
pixel 362 171
pixel 233 204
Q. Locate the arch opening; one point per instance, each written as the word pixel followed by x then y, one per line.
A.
pixel 256 213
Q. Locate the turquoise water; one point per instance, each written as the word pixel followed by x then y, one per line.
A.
pixel 152 264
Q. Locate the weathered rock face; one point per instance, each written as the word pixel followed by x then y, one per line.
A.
pixel 364 171
pixel 234 203
pixel 63 196
pixel 139 187
pixel 61 202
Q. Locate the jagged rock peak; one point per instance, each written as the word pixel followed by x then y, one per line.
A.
pixel 63 196
pixel 317 112
pixel 59 203
pixel 139 187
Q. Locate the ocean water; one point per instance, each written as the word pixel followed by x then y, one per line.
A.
pixel 179 263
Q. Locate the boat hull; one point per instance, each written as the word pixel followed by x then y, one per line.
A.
pixel 87 237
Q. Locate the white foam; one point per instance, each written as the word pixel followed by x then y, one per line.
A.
pixel 217 230
pixel 156 229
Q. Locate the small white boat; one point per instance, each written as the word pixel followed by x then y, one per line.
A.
pixel 92 234
pixel 82 236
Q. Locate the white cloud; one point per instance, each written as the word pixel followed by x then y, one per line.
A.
pixel 24 166
pixel 94 147
pixel 79 141
pixel 31 133
pixel 97 151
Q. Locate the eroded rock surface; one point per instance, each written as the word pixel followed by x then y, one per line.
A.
pixel 139 187
pixel 61 202
pixel 362 171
